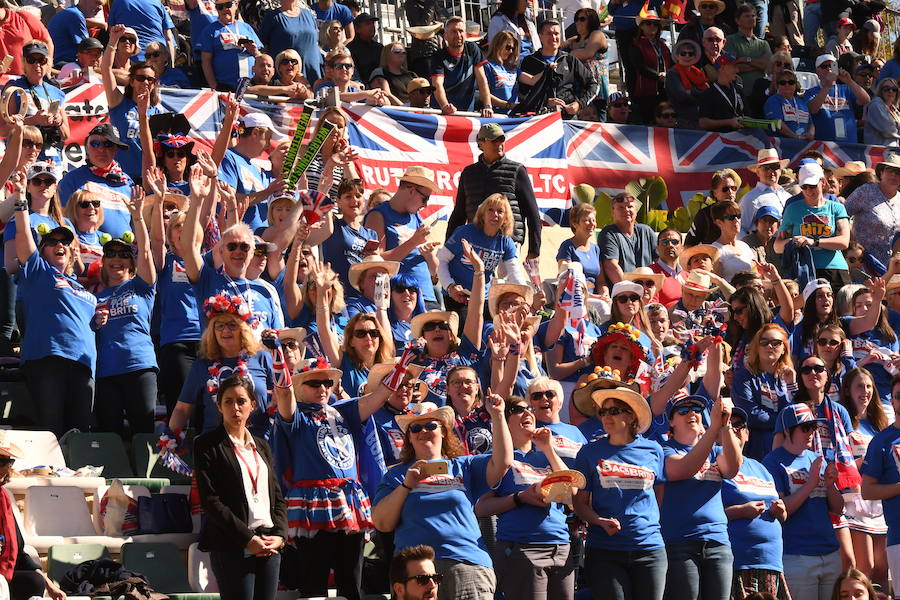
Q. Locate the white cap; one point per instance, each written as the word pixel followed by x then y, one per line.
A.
pixel 825 58
pixel 623 287
pixel 42 167
pixel 258 119
pixel 812 286
pixel 811 174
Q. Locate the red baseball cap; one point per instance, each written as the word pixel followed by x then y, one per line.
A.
pixel 846 21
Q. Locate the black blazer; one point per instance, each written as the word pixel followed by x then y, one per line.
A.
pixel 222 495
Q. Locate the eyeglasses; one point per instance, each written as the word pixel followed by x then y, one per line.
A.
pixel 224 5
pixel 731 217
pixel 808 427
pixel 242 246
pixel 32 144
pixel 614 411
pixel 101 144
pixel 142 78
pixel 829 343
pixel 418 427
pixel 787 82
pixel 548 394
pixel 623 299
pixel 432 325
pixel 117 253
pixel 728 188
pixel 36 60
pixel 89 203
pixel 669 242
pixel 772 342
pixel 152 54
pixel 645 282
pixel 223 325
pixel 347 66
pixel 55 242
pixel 314 383
pixel 424 578
pixel 7 461
pixel 361 333
pixel 687 53
pixel 176 153
pixel 685 410
pixel 518 409
pixel 39 181
pixel 807 369
pixel 809 186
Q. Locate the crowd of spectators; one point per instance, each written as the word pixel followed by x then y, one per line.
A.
pixel 706 399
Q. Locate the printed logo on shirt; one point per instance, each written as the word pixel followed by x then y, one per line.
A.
pixel 434 484
pixel 624 476
pixel 816 226
pixel 835 103
pixel 250 180
pixel 229 40
pixel 794 114
pixel 337 451
pixel 131 117
pixel 565 447
pixel 768 396
pixel 708 472
pixel 491 258
pixel 755 485
pixel 895 452
pixel 179 273
pixel 404 232
pixel 122 306
pixel 525 474
pixel 111 198
pixel 396 437
pixel 479 440
pixel 859 443
pixel 62 282
pixel 797 479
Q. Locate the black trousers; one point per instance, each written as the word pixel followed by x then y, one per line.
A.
pixel 328 550
pixel 62 391
pixel 175 361
pixel 129 394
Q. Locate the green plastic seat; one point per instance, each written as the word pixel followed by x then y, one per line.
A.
pixel 63 557
pixel 162 564
pixel 146 456
pixel 154 484
pixel 97 449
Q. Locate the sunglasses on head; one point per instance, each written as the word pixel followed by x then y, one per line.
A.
pixel 361 333
pixel 827 342
pixel 432 325
pixel 685 410
pixel 36 60
pixel 32 144
pixel 424 578
pixel 624 299
pixel 326 383
pixel 242 246
pixel 89 203
pixel 117 253
pixel 176 153
pixel 101 144
pixel 548 394
pixel 46 181
pixel 142 78
pixel 613 411
pixel 418 427
pixel 773 342
pixel 807 369
pixel 517 409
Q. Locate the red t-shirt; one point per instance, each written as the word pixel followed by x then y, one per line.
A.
pixel 19 28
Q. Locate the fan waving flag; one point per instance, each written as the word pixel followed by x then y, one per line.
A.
pixel 848 474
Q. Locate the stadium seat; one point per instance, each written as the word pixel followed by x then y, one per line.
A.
pixel 63 557
pixel 98 449
pixel 38 447
pixel 154 484
pixel 145 453
pixel 160 562
pixel 52 514
pixel 807 80
pixel 200 573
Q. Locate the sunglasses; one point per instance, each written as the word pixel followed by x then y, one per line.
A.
pixel 361 333
pixel 510 47
pixel 669 242
pixel 808 427
pixel 774 343
pixel 347 66
pixel 888 89
pixel 55 242
pixel 737 426
pixel 686 410
pixel 809 186
pixel 32 144
pixel 827 342
pixel 614 411
pixel 291 344
pixel 47 181
pixel 623 299
pixel 418 427
pixel 142 78
pixel 89 203
pixel 826 66
pixel 176 153
pixel 668 115
pixel 101 144
pixel 7 461
pixel 260 252
pixel 36 60
pixel 405 288
pixel 518 409
pixel 432 325
pixel 687 53
pixel 728 188
pixel 129 40
pixel 152 54
pixel 548 394
pixel 807 369
pixel 424 578
pixel 787 82
pixel 314 383
pixel 645 282
pixel 117 253
pixel 731 217
pixel 242 246
pixel 223 325
pixel 224 5
pixel 289 61
pixel 737 310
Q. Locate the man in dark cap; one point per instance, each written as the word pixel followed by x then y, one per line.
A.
pixel 69 27
pixel 364 48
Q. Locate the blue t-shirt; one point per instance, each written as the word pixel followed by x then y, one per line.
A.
pixel 794 112
pixel 762 397
pixel 390 436
pixel 398 227
pixel 315 451
pixel 459 75
pixel 883 463
pixel 820 222
pixel 335 12
pixel 354 378
pixel 567 440
pixel 620 480
pixel 239 172
pixel 439 511
pixel 573 351
pixel 493 251
pixel 435 373
pixel 590 259
pixel 360 304
pixel 808 530
pixel 180 319
pixel 174 77
pixel 40 96
pixel 502 81
pixel 149 18
pixel 195 391
pixel 124 116
pixel 67 28
pixel 116 218
pixel 836 120
pixel 530 524
pixel 230 60
pixel 592 429
pixel 301 33
pixel 66 310
pixel 756 543
pixel 699 497
pixel 344 248
pixel 881 375
pixel 202 16
pixel 124 344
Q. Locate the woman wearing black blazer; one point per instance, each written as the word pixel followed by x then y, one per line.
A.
pixel 245 517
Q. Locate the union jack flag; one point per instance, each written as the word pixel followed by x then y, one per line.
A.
pixel 848 475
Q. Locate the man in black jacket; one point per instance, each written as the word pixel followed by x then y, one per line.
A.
pixel 571 85
pixel 495 173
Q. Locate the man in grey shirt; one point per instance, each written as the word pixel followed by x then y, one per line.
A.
pixel 626 245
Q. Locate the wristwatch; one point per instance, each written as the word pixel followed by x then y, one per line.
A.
pixel 816 242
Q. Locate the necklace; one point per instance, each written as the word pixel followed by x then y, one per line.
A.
pixel 241 370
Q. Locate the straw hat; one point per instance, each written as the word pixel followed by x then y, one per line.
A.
pixel 603 378
pixel 559 486
pixel 473 31
pixel 854 167
pixel 720 6
pixel 767 156
pixel 317 367
pixel 7 448
pixel 688 253
pixel 424 32
pixel 292 333
pixel 418 321
pixel 642 273
pixel 891 159
pixel 893 283
pixel 498 289
pixel 371 262
pixel 699 281
pixel 420 176
pixel 380 370
pixel 634 401
pixel 426 411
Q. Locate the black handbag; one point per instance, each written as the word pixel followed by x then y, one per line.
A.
pixel 164 513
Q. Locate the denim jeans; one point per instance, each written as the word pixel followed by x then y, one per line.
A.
pixel 762 17
pixel 812 20
pixel 626 574
pixel 811 577
pixel 242 577
pixel 698 569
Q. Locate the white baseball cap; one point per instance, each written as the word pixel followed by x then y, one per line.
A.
pixel 41 167
pixel 825 58
pixel 258 119
pixel 811 174
pixel 623 287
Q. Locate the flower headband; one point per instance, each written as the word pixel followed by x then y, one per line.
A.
pixel 223 304
pixel 316 364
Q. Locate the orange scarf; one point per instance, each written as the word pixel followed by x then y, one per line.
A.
pixel 692 77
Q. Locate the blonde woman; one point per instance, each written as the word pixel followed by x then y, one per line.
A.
pixel 501 70
pixel 882 119
pixel 392 76
pixel 85 211
pixel 331 36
